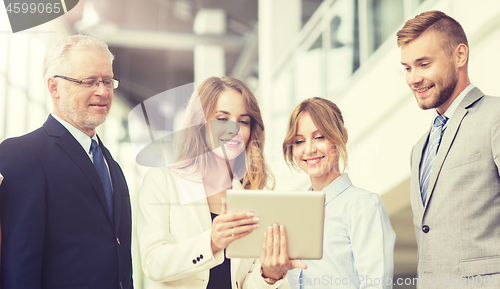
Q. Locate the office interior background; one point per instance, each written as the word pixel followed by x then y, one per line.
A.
pixel 286 51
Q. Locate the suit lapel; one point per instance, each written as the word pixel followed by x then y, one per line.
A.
pixel 418 151
pixel 70 145
pixel 444 147
pixel 199 207
pixel 201 211
pixel 449 136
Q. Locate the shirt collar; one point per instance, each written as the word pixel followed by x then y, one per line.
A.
pixel 336 187
pixel 83 139
pixel 454 105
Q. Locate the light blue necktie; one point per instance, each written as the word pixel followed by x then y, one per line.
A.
pixel 301 283
pixel 431 150
pixel 103 172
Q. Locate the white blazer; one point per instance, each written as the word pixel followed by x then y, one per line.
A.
pixel 174 238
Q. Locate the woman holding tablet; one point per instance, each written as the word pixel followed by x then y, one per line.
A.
pixel 183 227
pixel 358 246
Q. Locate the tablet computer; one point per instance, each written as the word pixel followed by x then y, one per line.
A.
pixel 302 214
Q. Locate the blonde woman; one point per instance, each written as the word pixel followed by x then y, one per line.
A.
pixel 358 246
pixel 183 227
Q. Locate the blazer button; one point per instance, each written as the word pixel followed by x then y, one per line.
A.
pixel 198 259
pixel 425 229
pixel 194 261
pixel 118 241
pixel 201 256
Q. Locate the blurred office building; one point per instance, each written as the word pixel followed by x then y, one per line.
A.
pixel 286 51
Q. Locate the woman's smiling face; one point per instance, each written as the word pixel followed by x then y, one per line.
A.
pixel 312 152
pixel 229 127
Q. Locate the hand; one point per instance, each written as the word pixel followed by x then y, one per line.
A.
pixel 274 253
pixel 229 227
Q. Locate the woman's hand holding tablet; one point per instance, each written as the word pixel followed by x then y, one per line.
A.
pixel 274 254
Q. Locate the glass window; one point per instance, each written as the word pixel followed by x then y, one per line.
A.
pixel 37 85
pixel 16 112
pixel 388 15
pixel 36 116
pixel 343 58
pixel 113 132
pixel 18 60
pixel 309 71
pixel 4 42
pixel 283 92
pixel 356 60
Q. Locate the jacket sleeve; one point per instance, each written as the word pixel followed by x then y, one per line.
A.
pixel 164 256
pixel 23 214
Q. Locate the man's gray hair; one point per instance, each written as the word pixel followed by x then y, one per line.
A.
pixel 55 59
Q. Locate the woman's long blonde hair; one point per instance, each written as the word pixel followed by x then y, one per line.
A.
pixel 191 148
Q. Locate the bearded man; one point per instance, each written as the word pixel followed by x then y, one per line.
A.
pixel 455 166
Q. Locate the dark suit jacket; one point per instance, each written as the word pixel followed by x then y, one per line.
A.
pixel 57 231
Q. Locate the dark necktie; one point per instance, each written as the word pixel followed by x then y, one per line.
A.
pixel 431 150
pixel 103 172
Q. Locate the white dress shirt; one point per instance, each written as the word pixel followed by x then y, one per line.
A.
pixel 83 139
pixel 358 242
pixel 453 106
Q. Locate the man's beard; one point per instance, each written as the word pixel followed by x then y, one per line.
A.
pixel 83 119
pixel 445 93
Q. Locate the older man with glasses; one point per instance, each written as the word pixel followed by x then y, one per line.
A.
pixel 64 203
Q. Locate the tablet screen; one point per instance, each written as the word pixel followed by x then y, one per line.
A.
pixel 302 214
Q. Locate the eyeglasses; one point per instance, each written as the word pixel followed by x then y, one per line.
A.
pixel 92 82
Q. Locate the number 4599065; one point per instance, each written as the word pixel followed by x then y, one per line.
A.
pixel 34 8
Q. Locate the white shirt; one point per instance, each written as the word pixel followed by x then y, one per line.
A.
pixel 453 106
pixel 84 140
pixel 358 242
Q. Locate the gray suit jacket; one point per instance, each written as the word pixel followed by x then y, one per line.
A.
pixel 458 231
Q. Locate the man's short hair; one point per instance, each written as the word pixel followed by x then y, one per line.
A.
pixel 451 32
pixel 55 59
